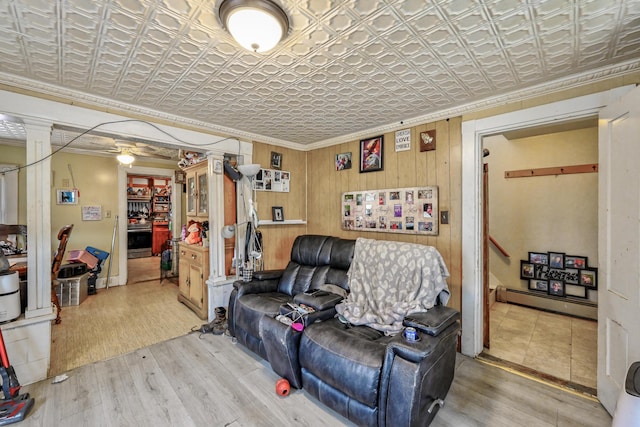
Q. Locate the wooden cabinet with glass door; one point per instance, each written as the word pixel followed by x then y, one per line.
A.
pixel 197 190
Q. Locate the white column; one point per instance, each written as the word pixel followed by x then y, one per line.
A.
pixel 216 218
pixel 38 217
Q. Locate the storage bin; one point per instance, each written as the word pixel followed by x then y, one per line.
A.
pixel 82 256
pixel 72 291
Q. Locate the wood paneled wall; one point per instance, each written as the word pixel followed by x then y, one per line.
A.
pixel 278 239
pixel 316 190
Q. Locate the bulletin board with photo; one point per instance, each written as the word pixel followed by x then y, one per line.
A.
pixel 412 210
pixel 272 180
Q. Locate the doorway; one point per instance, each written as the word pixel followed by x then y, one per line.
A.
pixel 533 327
pixel 149 212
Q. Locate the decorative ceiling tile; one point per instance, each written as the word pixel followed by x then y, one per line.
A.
pixel 407 57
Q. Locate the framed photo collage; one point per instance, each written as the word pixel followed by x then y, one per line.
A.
pixel 559 274
pixel 411 210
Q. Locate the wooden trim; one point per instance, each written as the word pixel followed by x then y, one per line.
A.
pixel 558 170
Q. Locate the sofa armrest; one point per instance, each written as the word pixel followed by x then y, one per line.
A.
pixel 428 364
pixel 433 321
pixel 255 286
pixel 267 274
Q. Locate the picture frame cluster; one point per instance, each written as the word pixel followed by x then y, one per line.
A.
pixel 559 274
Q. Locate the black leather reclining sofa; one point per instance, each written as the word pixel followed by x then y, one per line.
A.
pixel 369 378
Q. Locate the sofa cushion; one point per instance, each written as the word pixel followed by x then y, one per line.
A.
pixel 251 307
pixel 332 351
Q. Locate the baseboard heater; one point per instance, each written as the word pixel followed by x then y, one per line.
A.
pixel 571 307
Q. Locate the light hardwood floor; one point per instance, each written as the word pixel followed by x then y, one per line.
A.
pixel 118 320
pixel 208 380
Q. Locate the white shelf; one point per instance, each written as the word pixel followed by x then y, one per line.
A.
pixel 285 222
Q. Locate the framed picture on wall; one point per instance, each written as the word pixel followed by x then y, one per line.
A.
pixel 538 285
pixel 277 213
pixel 371 154
pixel 343 161
pixel 556 287
pixel 589 278
pixel 575 291
pixel 67 197
pixel 571 261
pixel 556 259
pixel 539 258
pixel 526 270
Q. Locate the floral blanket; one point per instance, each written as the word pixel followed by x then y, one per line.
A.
pixel 389 280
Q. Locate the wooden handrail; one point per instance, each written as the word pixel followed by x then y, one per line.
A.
pixel 500 248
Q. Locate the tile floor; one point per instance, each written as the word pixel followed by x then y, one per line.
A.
pixel 553 344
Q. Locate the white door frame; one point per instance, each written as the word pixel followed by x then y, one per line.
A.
pixel 473 131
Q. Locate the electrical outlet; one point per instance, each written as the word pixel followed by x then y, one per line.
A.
pixel 444 217
pixel 107 214
pixel 65 182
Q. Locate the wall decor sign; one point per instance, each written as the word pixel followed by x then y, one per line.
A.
pixel 412 210
pixel 343 161
pixel 92 213
pixel 403 140
pixel 428 140
pixel 371 154
pixel 272 180
pixel 558 274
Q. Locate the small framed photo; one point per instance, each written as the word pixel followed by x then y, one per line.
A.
pixel 371 154
pixel 180 177
pixel 571 261
pixel 556 287
pixel 67 197
pixel 277 213
pixel 539 258
pixel 556 259
pixel 527 270
pixel 276 160
pixel 343 161
pixel 589 278
pixel 538 285
pixel 576 291
pixel 428 140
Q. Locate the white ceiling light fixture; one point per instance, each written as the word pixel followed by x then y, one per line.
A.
pixel 125 158
pixel 257 25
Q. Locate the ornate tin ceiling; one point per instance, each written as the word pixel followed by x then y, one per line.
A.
pixel 346 67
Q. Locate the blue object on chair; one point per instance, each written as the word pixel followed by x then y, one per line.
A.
pixel 101 255
pixel 93 275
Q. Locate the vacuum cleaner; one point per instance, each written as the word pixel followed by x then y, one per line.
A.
pixel 14 406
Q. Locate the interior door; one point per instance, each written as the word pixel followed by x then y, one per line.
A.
pixel 618 245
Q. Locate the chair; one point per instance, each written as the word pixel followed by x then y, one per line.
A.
pixel 63 237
